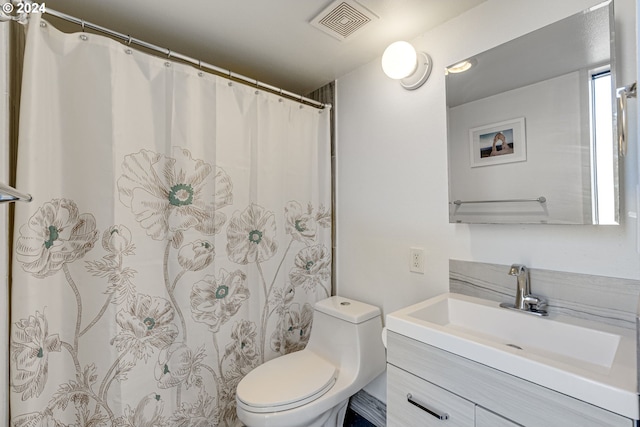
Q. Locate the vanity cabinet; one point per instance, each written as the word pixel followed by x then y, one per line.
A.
pixel 474 395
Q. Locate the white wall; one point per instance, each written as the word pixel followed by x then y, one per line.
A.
pixel 392 173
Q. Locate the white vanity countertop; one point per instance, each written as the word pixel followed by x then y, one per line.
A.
pixel 611 385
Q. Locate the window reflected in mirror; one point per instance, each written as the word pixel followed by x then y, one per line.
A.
pixel 603 188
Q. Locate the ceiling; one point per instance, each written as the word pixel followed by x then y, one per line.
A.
pixel 268 40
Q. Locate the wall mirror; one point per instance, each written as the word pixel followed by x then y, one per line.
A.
pixel 531 128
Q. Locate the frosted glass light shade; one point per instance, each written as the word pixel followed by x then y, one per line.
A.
pixel 399 60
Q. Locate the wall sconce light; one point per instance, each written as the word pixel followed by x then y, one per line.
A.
pixel 400 61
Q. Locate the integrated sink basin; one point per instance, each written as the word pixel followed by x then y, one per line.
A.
pixel 546 337
pixel 590 361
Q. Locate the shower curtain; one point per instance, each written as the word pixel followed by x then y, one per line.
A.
pixel 178 237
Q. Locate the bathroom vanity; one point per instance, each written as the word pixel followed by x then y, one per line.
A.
pixel 472 394
pixel 465 361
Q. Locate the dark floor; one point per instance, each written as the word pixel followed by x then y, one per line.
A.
pixel 352 419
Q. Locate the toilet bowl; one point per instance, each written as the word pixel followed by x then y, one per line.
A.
pixel 311 387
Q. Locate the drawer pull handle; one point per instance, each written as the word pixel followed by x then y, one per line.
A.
pixel 430 411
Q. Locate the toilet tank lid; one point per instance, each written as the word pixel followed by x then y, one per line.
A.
pixel 347 309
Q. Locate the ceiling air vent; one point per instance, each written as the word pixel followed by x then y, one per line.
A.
pixel 343 19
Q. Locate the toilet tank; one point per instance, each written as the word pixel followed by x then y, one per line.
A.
pixel 348 334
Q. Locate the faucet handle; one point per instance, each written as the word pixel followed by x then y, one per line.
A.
pixel 536 303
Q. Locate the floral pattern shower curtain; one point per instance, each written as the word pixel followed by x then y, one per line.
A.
pixel 178 237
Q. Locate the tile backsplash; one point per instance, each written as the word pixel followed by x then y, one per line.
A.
pixel 604 299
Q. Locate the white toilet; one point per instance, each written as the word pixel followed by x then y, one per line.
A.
pixel 311 387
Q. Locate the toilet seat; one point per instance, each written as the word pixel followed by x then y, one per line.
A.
pixel 286 382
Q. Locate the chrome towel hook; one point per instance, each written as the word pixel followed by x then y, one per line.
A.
pixel 622 94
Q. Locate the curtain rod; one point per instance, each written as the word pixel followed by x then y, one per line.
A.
pixel 170 54
pixel 10 194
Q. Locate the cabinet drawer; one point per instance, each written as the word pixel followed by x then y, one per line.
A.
pixel 402 413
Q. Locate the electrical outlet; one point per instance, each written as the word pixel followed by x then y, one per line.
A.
pixel 416 260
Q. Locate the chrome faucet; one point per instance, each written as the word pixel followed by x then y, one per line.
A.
pixel 524 288
pixel 525 301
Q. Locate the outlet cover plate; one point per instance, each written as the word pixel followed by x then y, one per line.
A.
pixel 416 260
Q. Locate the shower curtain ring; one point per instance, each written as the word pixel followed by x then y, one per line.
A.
pixel 129 41
pixel 82 24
